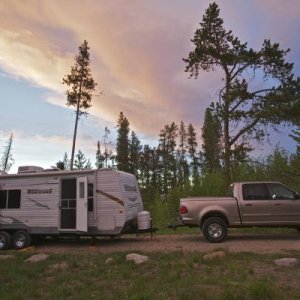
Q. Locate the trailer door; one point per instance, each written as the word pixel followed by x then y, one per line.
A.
pixel 82 205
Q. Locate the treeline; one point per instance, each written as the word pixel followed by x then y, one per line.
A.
pixel 179 167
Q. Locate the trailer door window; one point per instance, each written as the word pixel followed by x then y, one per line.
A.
pixel 90 197
pixel 81 190
pixel 10 199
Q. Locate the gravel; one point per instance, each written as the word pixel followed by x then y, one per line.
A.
pixel 235 242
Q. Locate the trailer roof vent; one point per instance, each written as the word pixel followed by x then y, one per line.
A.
pixel 53 168
pixel 29 169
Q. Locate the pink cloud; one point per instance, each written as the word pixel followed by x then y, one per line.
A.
pixel 136 51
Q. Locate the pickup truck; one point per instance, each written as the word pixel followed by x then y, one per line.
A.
pixel 252 204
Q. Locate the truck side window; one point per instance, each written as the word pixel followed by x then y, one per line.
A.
pixel 255 191
pixel 280 192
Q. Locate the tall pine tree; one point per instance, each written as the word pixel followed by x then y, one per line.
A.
pixel 243 109
pixel 122 147
pixel 81 86
pixel 211 141
pixel 192 145
pixel 135 154
pixel 167 153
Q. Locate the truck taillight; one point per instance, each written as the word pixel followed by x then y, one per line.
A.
pixel 183 209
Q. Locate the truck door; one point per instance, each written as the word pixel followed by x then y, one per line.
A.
pixel 82 205
pixel 255 205
pixel 285 205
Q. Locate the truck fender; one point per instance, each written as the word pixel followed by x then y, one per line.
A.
pixel 213 211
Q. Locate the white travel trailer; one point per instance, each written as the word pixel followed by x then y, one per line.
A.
pixel 37 202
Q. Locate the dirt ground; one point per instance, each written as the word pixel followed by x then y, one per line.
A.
pixel 235 242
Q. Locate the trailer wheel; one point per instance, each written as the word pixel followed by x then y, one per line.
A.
pixel 214 229
pixel 21 239
pixel 4 240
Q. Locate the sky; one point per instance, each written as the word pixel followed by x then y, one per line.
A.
pixel 136 49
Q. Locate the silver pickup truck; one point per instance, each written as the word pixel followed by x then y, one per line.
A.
pixel 259 204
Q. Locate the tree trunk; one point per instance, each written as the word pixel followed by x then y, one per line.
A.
pixel 7 155
pixel 74 137
pixel 75 129
pixel 227 172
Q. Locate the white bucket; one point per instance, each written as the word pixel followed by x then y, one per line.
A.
pixel 144 220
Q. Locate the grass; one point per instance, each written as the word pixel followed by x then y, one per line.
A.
pixel 255 230
pixel 173 275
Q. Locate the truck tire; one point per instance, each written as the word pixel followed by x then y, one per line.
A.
pixel 4 240
pixel 214 229
pixel 21 239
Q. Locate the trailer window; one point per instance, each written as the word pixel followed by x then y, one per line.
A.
pixel 3 198
pixel 10 199
pixel 90 197
pixel 14 198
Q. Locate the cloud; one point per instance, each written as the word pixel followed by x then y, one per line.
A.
pixel 136 51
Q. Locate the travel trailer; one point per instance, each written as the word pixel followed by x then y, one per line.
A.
pixel 38 203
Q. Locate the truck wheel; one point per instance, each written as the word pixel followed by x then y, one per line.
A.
pixel 21 239
pixel 214 230
pixel 4 240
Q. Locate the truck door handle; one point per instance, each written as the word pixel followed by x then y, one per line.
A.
pixel 277 204
pixel 249 204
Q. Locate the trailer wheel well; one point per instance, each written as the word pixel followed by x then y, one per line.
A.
pixel 214 214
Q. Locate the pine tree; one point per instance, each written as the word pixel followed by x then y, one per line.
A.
pixel 81 84
pixel 167 153
pixel 243 110
pixel 183 170
pixel 192 145
pixel 211 141
pixel 81 162
pixel 122 147
pixel 145 166
pixel 65 163
pixel 99 157
pixel 295 135
pixel 7 159
pixel 134 154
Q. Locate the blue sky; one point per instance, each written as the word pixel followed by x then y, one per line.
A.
pixel 136 58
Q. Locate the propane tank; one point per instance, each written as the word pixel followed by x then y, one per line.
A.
pixel 144 220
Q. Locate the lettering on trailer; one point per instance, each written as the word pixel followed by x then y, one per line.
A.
pixel 37 191
pixel 130 188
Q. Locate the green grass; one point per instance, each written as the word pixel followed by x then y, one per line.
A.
pixel 255 230
pixel 173 275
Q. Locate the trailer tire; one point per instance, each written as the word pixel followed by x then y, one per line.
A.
pixel 4 240
pixel 21 239
pixel 214 229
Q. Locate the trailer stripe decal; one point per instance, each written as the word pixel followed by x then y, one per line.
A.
pixel 38 203
pixel 110 197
